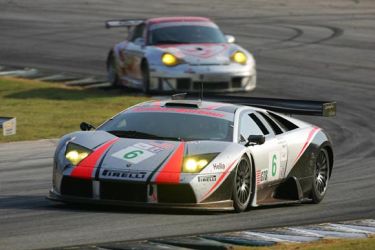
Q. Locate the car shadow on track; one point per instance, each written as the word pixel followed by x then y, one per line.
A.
pixel 41 203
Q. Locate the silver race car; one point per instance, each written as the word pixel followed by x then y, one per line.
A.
pixel 198 154
pixel 179 53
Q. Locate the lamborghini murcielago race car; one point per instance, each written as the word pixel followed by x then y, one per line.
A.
pixel 179 53
pixel 198 154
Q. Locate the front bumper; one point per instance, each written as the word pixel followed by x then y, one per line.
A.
pixel 215 78
pixel 132 194
pixel 210 206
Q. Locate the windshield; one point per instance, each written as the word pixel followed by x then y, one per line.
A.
pixel 169 126
pixel 186 34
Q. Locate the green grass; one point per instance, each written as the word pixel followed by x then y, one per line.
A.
pixel 331 244
pixel 49 110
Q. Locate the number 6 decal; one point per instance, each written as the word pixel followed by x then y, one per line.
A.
pixel 132 154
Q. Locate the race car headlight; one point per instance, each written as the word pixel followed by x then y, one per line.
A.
pixel 196 163
pixel 169 59
pixel 239 57
pixel 75 153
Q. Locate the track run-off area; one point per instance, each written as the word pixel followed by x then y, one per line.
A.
pixel 318 49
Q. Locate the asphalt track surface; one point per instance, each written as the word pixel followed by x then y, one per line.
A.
pixel 304 49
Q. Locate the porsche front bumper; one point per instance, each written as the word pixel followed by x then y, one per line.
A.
pixel 215 78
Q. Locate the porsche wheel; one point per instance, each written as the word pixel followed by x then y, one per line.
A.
pixel 145 77
pixel 112 75
pixel 321 177
pixel 242 185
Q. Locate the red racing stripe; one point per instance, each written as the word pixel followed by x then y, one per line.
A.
pixel 221 178
pixel 85 168
pixel 172 170
pixel 308 141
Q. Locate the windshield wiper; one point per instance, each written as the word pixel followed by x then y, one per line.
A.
pixel 138 134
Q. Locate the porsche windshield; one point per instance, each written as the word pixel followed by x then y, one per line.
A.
pixel 169 126
pixel 186 34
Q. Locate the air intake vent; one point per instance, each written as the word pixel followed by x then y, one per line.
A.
pixel 183 104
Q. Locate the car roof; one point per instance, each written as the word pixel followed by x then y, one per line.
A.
pixel 178 19
pixel 196 104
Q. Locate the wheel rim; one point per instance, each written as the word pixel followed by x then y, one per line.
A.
pixel 321 177
pixel 243 181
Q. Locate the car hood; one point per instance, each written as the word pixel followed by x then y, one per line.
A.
pixel 201 54
pixel 140 159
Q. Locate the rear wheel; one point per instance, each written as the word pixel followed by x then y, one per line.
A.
pixel 112 75
pixel 242 188
pixel 321 177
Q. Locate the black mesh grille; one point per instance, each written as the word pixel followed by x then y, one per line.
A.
pixel 123 191
pixel 236 82
pixel 76 187
pixel 211 85
pixel 176 194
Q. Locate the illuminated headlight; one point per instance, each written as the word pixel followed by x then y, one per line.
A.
pixel 239 57
pixel 75 153
pixel 195 164
pixel 169 59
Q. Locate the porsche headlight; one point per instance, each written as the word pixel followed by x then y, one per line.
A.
pixel 169 59
pixel 196 163
pixel 239 57
pixel 75 153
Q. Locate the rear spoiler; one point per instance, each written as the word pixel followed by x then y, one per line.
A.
pixel 123 23
pixel 286 106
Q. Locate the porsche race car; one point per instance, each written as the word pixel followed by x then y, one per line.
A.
pixel 178 54
pixel 184 153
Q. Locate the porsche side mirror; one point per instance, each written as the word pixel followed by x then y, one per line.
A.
pixel 85 126
pixel 255 140
pixel 230 39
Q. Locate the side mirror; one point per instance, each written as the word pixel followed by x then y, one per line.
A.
pixel 255 140
pixel 230 39
pixel 85 126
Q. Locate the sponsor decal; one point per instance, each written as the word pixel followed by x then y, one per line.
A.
pixel 207 178
pixel 123 174
pixel 219 166
pixel 261 176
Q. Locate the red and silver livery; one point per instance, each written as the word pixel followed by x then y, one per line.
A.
pixel 185 153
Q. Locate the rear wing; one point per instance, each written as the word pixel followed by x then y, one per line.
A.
pixel 123 23
pixel 287 106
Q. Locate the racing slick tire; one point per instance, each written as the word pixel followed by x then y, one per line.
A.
pixel 145 77
pixel 242 186
pixel 112 75
pixel 321 176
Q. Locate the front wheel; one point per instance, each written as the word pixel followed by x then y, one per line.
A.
pixel 145 78
pixel 112 75
pixel 242 188
pixel 321 177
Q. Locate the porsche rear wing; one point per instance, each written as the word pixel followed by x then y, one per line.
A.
pixel 287 106
pixel 123 23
